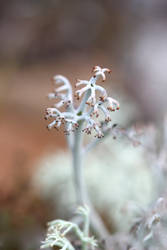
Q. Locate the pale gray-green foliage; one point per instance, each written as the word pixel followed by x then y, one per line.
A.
pixel 59 230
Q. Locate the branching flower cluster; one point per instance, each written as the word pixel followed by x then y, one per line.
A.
pixel 89 107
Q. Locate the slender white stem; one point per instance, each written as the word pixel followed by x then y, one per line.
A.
pixel 79 180
pixel 86 228
pixel 78 167
pixel 80 187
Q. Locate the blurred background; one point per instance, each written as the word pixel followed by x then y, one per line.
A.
pixel 39 39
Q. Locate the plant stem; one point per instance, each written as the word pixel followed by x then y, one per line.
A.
pixel 80 187
pixel 86 225
pixel 79 183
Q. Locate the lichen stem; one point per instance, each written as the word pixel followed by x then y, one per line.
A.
pixel 82 198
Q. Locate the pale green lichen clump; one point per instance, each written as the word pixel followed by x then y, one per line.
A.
pixel 59 230
pixel 116 174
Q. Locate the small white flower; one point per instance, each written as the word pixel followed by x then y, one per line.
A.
pixel 64 92
pixel 100 72
pixel 92 86
pixel 113 104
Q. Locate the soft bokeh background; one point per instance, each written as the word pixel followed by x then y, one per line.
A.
pixel 41 38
